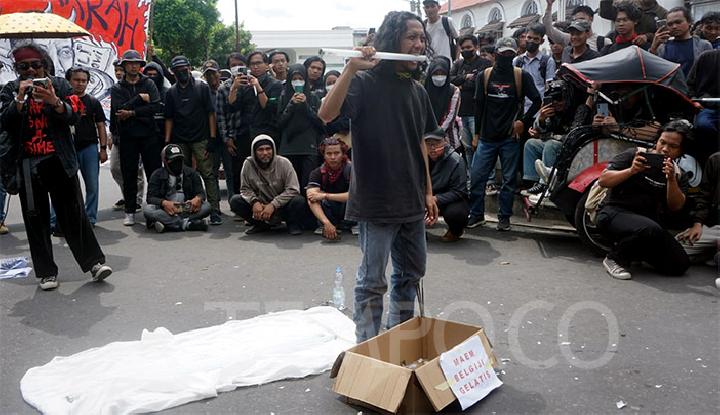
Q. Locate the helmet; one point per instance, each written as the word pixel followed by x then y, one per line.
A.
pixel 131 55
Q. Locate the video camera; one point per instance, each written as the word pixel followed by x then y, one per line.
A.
pixel 557 90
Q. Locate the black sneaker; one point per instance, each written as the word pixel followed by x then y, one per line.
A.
pixel 100 271
pixel 215 219
pixel 257 228
pixel 492 189
pixel 503 224
pixel 536 189
pixel 294 230
pixel 48 283
pixel 119 205
pixel 475 221
pixel 198 225
pixel 56 232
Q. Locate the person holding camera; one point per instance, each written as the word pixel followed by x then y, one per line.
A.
pixel 176 197
pixel 675 42
pixel 38 110
pixel 642 186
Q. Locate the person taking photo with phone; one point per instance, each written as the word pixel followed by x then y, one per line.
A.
pixel 673 40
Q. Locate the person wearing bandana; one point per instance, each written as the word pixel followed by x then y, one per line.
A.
pixel 626 21
pixel 176 197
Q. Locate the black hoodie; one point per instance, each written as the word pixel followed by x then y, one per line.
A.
pixel 319 85
pixel 301 128
pixel 341 124
pixel 159 81
pixel 126 96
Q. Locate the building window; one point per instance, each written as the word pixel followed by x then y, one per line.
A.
pixel 529 8
pixel 495 15
pixel 467 21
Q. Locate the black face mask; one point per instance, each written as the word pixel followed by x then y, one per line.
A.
pixel 175 166
pixel 504 61
pixel 158 80
pixel 532 47
pixel 468 54
pixel 182 76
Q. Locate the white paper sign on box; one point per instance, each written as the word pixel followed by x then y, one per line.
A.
pixel 468 371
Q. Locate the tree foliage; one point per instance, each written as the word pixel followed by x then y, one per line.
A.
pixel 193 28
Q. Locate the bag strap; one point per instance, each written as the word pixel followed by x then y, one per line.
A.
pixel 517 74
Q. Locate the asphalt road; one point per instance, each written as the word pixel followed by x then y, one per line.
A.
pixel 572 339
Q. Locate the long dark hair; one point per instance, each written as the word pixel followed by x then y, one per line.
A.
pixel 390 34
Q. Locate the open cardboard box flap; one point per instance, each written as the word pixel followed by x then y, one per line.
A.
pixel 374 372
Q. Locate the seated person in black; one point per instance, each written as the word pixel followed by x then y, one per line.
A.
pixel 176 198
pixel 449 184
pixel 641 186
pixel 327 189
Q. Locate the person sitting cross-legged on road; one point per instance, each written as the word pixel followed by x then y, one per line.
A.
pixel 176 197
pixel 328 187
pixel 449 183
pixel 269 190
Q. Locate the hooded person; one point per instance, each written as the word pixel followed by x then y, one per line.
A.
pixel 302 130
pixel 176 198
pixel 269 190
pixel 444 98
pixel 155 72
pixel 315 67
pixel 340 126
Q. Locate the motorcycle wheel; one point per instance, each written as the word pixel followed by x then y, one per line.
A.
pixel 588 231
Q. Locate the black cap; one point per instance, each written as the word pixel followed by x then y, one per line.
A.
pixel 430 1
pixel 179 60
pixel 171 152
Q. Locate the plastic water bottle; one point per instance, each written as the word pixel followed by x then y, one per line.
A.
pixel 339 290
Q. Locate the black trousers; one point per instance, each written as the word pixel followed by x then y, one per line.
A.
pixel 639 238
pixel 455 215
pixel 51 179
pixel 242 152
pixel 303 166
pixel 131 149
pixel 295 212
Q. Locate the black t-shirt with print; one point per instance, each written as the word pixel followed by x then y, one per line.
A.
pixel 91 113
pixel 341 185
pixel 389 115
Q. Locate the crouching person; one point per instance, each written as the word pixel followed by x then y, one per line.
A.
pixel 328 187
pixel 269 190
pixel 449 184
pixel 642 184
pixel 176 198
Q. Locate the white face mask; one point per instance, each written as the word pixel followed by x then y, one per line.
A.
pixel 329 88
pixel 439 80
pixel 298 83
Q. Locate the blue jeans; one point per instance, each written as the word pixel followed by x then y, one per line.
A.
pixel 536 149
pixel 89 164
pixel 405 242
pixel 468 132
pixel 483 163
pixel 2 203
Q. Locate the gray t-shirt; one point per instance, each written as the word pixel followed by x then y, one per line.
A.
pixel 388 119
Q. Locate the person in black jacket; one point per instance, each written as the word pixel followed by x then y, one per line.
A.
pixel 627 18
pixel 133 104
pixel 315 67
pixel 38 110
pixel 463 74
pixel 449 184
pixel 301 128
pixel 176 198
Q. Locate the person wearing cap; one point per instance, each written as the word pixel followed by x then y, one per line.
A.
pixel 269 191
pixel 536 62
pixel 500 122
pixel 134 101
pixel 390 192
pixel 580 13
pixel 442 31
pixel 327 189
pixel 211 75
pixel 176 198
pixel 579 50
pixel 37 116
pixel 449 184
pixel 190 122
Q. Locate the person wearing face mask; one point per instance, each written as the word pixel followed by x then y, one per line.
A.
pixel 445 100
pixel 538 64
pixel 302 130
pixel 340 126
pixel 134 102
pixel 191 123
pixel 176 197
pixel 500 122
pixel 155 72
pixel 463 74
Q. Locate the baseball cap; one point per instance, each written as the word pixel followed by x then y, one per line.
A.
pixel 580 25
pixel 437 134
pixel 210 65
pixel 504 44
pixel 179 61
pixel 430 2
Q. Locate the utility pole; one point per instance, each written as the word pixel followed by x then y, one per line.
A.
pixel 449 8
pixel 237 30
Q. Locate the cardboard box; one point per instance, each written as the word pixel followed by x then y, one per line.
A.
pixel 373 373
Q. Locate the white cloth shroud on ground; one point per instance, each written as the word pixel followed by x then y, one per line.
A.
pixel 163 370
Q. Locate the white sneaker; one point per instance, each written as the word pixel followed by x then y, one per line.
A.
pixel 616 270
pixel 48 283
pixel 129 219
pixel 542 170
pixel 717 283
pixel 159 227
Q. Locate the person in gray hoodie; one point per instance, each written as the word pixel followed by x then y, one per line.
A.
pixel 269 190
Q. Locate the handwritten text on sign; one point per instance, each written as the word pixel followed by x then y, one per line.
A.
pixel 468 371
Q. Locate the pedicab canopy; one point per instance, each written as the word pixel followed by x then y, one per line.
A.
pixel 631 65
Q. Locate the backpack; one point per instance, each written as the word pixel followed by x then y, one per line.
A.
pixel 543 64
pixel 600 43
pixel 448 32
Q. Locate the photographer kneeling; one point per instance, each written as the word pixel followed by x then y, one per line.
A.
pixel 641 186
